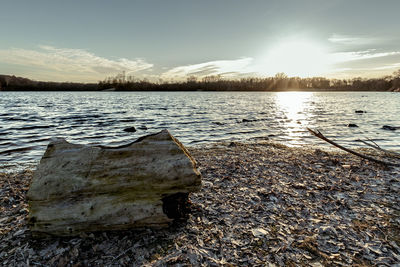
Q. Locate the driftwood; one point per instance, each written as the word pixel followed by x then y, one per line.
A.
pixel 377 147
pixel 80 188
pixel 321 136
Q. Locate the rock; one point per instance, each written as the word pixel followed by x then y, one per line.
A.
pixel 80 188
pixel 130 129
pixel 143 127
pixel 352 125
pixel 248 120
pixel 259 232
pixel 390 128
pixel 232 144
pixel 360 111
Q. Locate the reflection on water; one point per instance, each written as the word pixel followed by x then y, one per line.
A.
pixel 295 106
pixel 29 119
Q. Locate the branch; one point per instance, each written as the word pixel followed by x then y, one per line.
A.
pixel 375 146
pixel 321 136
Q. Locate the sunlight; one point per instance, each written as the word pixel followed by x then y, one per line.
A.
pixel 294 105
pixel 302 58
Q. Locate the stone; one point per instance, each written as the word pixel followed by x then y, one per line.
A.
pixel 259 232
pixel 390 128
pixel 130 129
pixel 81 188
pixel 360 111
pixel 352 125
pixel 232 144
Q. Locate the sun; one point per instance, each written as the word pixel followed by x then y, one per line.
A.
pixel 302 58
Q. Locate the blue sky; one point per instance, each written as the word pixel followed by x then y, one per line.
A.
pixel 90 40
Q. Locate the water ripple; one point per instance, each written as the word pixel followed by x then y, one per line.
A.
pixel 29 119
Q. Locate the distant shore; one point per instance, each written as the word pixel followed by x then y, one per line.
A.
pixel 260 203
pixel 280 82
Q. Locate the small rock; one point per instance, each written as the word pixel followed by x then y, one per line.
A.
pixel 130 129
pixel 360 111
pixel 259 232
pixel 232 144
pixel 143 127
pixel 19 232
pixel 208 184
pixel 390 128
pixel 352 125
pixel 23 211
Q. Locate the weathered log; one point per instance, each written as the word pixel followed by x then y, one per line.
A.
pixel 80 188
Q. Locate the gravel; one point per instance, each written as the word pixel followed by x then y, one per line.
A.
pixel 261 204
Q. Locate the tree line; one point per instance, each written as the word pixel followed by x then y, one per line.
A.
pixel 13 83
pixel 280 82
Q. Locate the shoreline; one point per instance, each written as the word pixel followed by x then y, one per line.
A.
pixel 260 203
pixel 205 91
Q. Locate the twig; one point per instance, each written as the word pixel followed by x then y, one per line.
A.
pixel 372 141
pixel 371 145
pixel 321 136
pixel 122 253
pixel 125 251
pixel 374 145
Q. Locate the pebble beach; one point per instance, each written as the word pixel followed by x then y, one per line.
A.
pixel 261 204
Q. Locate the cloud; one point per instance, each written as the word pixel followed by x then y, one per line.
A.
pixel 225 68
pixel 71 62
pixel 79 65
pixel 350 40
pixel 389 67
pixel 361 59
pixel 360 55
pixel 336 64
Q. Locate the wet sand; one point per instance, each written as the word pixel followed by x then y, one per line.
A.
pixel 260 204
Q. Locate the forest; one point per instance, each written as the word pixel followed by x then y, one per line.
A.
pixel 13 83
pixel 280 82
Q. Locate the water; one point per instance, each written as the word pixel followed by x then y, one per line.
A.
pixel 29 119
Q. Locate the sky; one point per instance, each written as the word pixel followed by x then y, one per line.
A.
pixel 90 40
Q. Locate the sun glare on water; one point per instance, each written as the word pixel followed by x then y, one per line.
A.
pixel 296 58
pixel 294 105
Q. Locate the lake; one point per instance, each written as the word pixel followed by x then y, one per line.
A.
pixel 29 119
